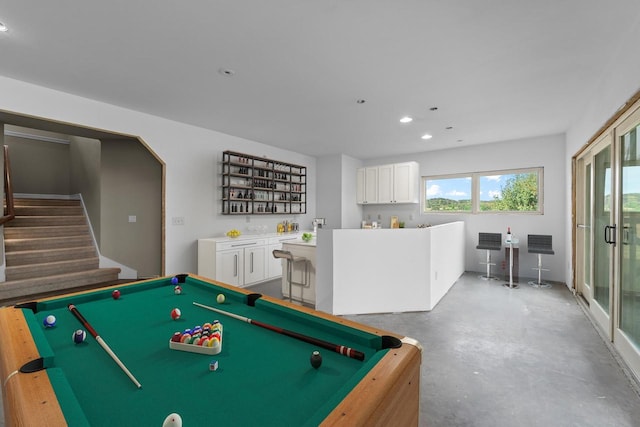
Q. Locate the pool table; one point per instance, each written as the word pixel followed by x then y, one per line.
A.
pixel 263 377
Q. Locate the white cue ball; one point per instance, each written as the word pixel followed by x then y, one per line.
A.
pixel 172 420
pixel 220 298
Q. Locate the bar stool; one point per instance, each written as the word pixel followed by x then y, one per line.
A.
pixel 291 260
pixel 489 242
pixel 540 244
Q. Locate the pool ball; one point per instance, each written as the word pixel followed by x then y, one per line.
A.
pixel 79 336
pixel 316 359
pixel 174 280
pixel 220 298
pixel 172 420
pixel 115 294
pixel 177 290
pixel 49 321
pixel 175 313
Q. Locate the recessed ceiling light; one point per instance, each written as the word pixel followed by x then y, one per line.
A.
pixel 3 28
pixel 426 136
pixel 406 119
pixel 226 72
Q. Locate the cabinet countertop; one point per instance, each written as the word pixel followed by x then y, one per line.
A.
pixel 221 239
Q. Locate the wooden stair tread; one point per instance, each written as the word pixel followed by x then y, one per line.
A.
pixel 63 282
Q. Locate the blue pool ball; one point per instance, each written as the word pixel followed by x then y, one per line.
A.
pixel 174 280
pixel 49 321
pixel 79 336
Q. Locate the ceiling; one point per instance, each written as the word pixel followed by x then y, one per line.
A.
pixel 495 70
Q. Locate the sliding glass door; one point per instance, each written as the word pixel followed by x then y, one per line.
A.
pixel 603 234
pixel 627 331
pixel 608 235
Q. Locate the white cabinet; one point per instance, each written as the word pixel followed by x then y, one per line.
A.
pixel 238 262
pixel 405 182
pixel 274 265
pixel 393 183
pixel 227 267
pixel 242 261
pixel 367 182
pixel 255 264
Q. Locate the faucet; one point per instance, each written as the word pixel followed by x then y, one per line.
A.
pixel 318 223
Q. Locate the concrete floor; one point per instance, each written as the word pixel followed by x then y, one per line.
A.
pixel 499 357
pixel 512 357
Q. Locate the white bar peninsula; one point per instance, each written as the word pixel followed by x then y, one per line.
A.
pixel 362 271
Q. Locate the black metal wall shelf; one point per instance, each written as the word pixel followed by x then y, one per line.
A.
pixel 254 185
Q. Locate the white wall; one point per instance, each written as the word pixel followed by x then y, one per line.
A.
pixel 329 173
pixel 192 156
pixel 337 191
pixel 351 213
pixel 545 151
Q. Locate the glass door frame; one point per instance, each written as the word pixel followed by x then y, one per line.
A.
pixel 602 317
pixel 628 350
pixel 582 231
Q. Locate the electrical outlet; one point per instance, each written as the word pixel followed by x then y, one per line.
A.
pixel 132 218
pixel 410 217
pixel 177 220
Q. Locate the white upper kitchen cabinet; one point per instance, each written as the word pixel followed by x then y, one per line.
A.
pixel 367 185
pixel 394 183
pixel 405 182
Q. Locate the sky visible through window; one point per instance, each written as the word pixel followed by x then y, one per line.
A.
pixel 460 188
pixel 449 188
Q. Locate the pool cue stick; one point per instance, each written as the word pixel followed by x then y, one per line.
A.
pixel 85 323
pixel 345 351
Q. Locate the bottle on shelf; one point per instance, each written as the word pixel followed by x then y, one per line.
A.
pixel 508 235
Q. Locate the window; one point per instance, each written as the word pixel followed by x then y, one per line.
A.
pixel 518 190
pixel 448 194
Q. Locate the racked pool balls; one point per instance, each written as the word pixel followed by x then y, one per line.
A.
pixel 115 294
pixel 49 321
pixel 316 359
pixel 175 314
pixel 177 290
pixel 79 336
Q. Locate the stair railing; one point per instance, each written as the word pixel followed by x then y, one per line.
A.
pixel 9 211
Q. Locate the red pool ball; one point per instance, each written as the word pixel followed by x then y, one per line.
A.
pixel 115 294
pixel 175 313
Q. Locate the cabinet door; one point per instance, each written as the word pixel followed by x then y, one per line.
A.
pixel 371 185
pixel 405 177
pixel 229 267
pixel 385 184
pixel 254 265
pixel 367 185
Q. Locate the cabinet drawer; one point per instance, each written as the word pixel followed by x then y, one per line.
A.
pixel 240 244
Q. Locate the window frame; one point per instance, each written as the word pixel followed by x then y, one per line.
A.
pixel 475 191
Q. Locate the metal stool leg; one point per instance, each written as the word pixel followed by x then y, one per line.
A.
pixel 540 283
pixel 489 264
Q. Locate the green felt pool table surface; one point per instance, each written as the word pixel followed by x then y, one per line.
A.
pixel 263 378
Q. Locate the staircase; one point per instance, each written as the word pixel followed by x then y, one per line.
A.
pixel 49 249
